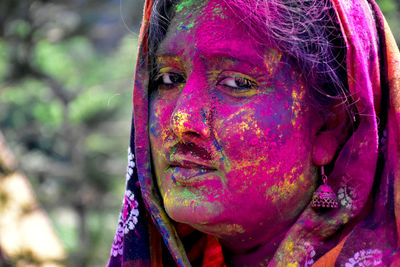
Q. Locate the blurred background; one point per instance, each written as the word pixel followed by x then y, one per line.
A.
pixel 66 76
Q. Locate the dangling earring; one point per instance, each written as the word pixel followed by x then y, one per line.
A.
pixel 324 197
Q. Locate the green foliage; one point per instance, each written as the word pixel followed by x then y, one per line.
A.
pixel 61 60
pixel 391 11
pixel 66 227
pixel 48 114
pixel 100 76
pixel 19 27
pixel 65 106
pixel 4 59
pixel 24 92
pixel 387 6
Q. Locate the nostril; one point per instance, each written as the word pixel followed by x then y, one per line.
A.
pixel 192 135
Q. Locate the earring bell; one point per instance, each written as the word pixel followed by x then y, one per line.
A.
pixel 324 197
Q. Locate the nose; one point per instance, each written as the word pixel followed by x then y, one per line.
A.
pixel 190 118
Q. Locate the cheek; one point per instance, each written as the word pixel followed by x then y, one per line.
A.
pixel 159 131
pixel 264 150
pixel 160 115
pixel 248 134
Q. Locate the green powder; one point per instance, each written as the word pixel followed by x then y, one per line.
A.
pixel 183 4
pixel 190 25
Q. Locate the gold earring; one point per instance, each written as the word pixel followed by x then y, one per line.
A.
pixel 324 197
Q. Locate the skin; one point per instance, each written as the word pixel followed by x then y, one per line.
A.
pixel 232 133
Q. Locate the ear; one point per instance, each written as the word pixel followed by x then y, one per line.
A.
pixel 332 135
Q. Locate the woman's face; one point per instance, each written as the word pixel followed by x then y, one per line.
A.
pixel 231 129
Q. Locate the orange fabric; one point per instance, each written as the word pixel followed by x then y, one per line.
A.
pixel 329 258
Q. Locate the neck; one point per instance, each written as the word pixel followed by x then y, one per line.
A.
pixel 258 255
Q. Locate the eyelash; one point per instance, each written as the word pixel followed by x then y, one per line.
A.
pixel 243 83
pixel 176 79
pixel 171 80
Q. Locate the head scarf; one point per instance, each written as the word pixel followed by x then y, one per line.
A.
pixel 362 232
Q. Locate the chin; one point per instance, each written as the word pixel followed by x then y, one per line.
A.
pixel 221 230
pixel 209 223
pixel 197 214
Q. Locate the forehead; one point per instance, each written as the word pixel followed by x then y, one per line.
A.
pixel 202 27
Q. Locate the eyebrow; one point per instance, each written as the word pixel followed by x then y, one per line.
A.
pixel 252 59
pixel 223 49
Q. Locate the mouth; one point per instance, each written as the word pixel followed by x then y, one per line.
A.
pixel 189 161
pixel 191 176
pixel 189 171
pixel 191 164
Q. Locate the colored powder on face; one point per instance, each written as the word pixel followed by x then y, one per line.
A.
pixel 289 245
pixel 187 194
pixel 243 126
pixel 184 4
pixel 231 229
pixel 185 27
pixel 284 190
pixel 296 106
pixel 218 11
pixel 190 25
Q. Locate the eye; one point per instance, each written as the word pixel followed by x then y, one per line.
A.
pixel 166 78
pixel 170 79
pixel 238 83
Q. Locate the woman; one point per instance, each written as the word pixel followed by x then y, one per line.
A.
pixel 250 119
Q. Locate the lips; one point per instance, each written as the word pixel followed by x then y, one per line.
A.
pixel 191 155
pixel 187 170
pixel 191 164
pixel 192 176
